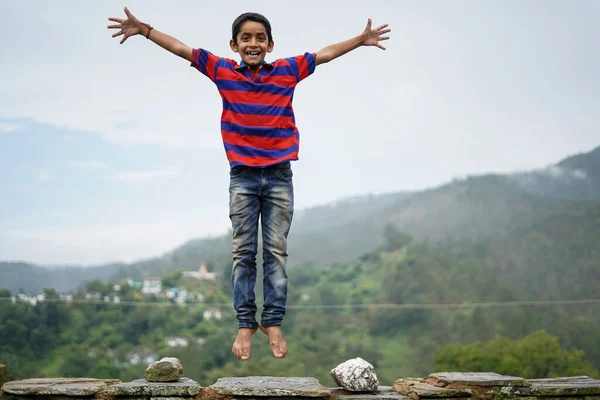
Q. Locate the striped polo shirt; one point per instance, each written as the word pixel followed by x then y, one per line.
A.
pixel 257 123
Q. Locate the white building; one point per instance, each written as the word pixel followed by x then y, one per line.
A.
pixel 202 274
pixel 152 286
pixel 66 296
pixel 141 358
pixel 212 313
pixel 180 296
pixel 178 342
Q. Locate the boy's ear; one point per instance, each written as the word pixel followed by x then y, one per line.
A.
pixel 233 45
pixel 270 46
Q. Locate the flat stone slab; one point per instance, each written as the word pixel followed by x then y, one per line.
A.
pixel 561 398
pixel 416 389
pixel 371 396
pixel 185 387
pixel 569 386
pixel 474 379
pixel 168 398
pixel 382 393
pixel 74 387
pixel 270 386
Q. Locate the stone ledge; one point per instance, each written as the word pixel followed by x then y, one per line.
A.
pixel 72 387
pixel 417 388
pixel 490 385
pixel 269 386
pixel 571 386
pixel 443 386
pixel 185 387
pixel 382 393
pixel 456 379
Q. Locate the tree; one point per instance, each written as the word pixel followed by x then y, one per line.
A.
pixel 394 239
pixel 172 279
pixel 538 355
pixel 97 286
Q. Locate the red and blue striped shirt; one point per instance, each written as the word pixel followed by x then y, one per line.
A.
pixel 257 124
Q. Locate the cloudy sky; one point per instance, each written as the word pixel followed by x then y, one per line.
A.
pixel 113 152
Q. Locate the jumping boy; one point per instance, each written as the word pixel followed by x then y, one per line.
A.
pixel 260 139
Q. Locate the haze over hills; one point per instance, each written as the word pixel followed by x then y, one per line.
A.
pixel 576 177
pixel 507 212
pixel 29 278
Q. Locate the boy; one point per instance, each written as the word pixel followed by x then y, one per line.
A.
pixel 260 139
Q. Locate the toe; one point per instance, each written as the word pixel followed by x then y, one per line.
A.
pixel 276 348
pixel 245 352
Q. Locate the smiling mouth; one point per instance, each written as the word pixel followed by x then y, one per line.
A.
pixel 253 53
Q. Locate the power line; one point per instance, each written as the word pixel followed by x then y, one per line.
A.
pixel 135 303
pixel 402 306
pixel 464 305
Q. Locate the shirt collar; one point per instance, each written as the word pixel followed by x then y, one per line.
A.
pixel 264 65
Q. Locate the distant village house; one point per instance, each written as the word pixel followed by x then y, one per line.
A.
pixel 202 274
pixel 152 286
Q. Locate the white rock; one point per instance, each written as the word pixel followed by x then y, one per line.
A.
pixel 356 375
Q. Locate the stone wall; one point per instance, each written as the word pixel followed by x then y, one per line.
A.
pixel 468 386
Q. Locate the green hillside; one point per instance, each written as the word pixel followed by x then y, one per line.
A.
pixel 391 307
pixel 553 257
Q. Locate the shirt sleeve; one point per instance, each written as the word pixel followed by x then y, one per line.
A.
pixel 303 65
pixel 205 62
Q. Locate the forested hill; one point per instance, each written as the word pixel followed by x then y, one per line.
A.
pixel 544 209
pixel 29 278
pixel 395 307
pixel 576 177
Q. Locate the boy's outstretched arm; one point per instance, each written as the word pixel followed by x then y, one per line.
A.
pixel 132 26
pixel 369 37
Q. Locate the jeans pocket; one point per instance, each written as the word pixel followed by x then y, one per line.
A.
pixel 236 172
pixel 285 172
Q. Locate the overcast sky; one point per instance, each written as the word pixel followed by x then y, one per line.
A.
pixel 113 152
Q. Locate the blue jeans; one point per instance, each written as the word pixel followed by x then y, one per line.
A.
pixel 268 193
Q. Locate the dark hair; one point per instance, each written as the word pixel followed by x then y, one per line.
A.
pixel 250 16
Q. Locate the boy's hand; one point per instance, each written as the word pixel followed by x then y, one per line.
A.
pixel 128 27
pixel 372 37
pixel 369 37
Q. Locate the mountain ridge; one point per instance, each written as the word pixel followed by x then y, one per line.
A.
pixel 477 208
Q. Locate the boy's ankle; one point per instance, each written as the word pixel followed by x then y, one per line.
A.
pixel 270 329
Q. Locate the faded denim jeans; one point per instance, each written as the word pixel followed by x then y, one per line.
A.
pixel 266 193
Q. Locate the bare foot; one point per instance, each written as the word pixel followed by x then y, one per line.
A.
pixel 241 346
pixel 278 345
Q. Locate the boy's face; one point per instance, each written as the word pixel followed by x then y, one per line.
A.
pixel 252 43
